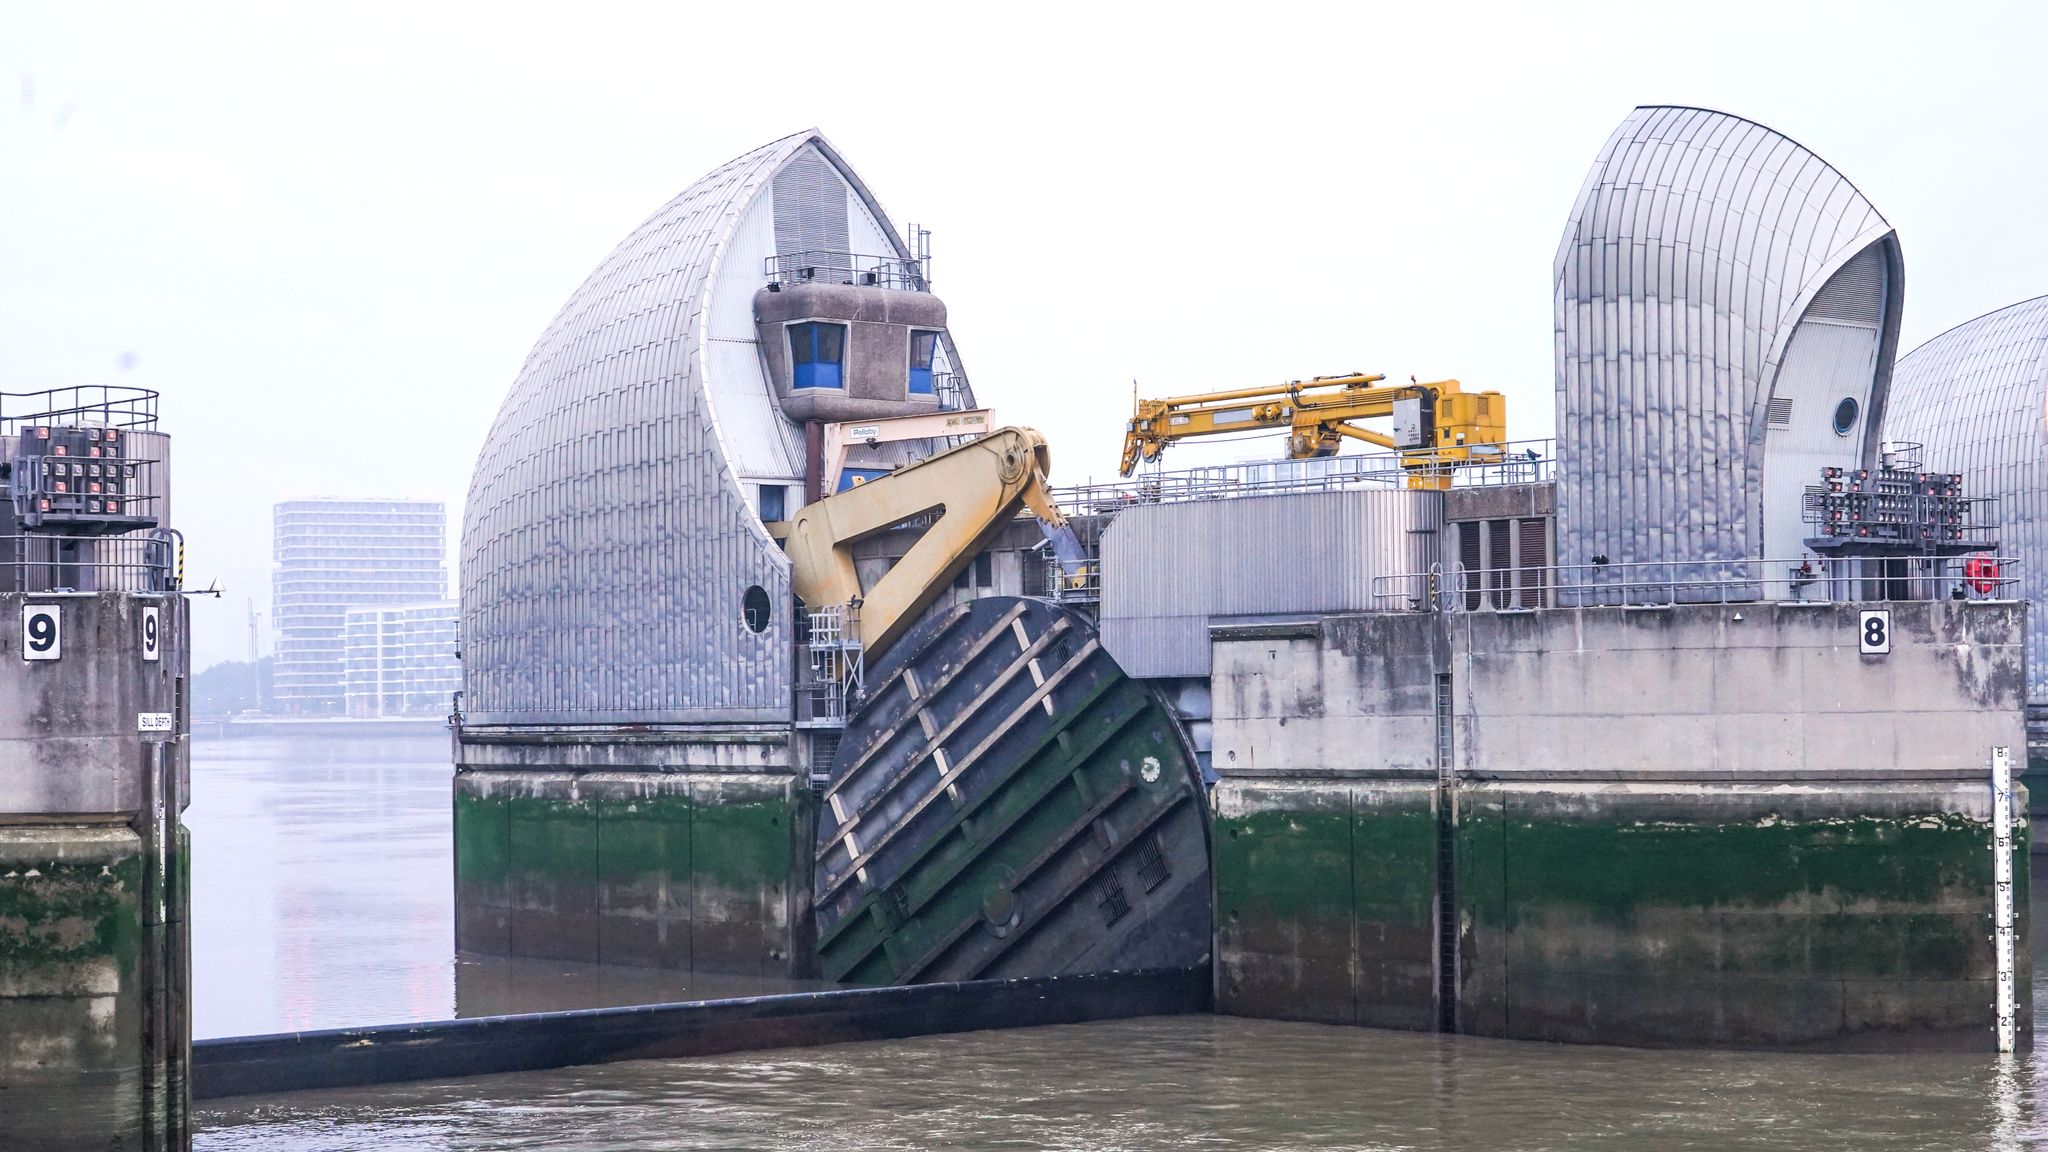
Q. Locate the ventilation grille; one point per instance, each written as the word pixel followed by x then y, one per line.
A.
pixel 1533 547
pixel 1468 556
pixel 1153 868
pixel 810 206
pixel 1111 899
pixel 1779 414
pixel 1855 294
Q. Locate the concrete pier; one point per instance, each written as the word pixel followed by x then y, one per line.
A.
pixel 94 952
pixel 659 848
pixel 1689 825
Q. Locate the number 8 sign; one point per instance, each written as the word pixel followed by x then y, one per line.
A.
pixel 42 632
pixel 1875 635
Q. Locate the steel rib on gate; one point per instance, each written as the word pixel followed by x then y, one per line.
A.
pixel 1113 726
pixel 853 867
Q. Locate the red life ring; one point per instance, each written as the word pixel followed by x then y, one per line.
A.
pixel 1982 574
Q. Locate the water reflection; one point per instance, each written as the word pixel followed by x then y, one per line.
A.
pixel 322 896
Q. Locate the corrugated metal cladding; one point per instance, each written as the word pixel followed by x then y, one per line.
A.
pixel 1976 399
pixel 607 544
pixel 1695 247
pixel 1169 569
pixel 810 206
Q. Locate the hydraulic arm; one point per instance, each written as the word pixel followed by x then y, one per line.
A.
pixel 1436 426
pixel 974 489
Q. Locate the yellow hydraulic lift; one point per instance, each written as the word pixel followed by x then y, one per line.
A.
pixel 971 491
pixel 1437 427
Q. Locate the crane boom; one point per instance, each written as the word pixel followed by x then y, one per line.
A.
pixel 1437 426
pixel 975 488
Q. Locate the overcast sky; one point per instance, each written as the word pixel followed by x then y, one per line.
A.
pixel 329 235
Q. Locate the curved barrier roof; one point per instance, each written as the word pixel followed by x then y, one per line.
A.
pixel 1976 399
pixel 1698 244
pixel 608 541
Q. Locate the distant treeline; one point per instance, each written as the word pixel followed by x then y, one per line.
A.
pixel 233 686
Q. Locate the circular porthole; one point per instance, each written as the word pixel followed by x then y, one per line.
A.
pixel 754 608
pixel 1845 415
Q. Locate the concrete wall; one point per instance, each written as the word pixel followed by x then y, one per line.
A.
pixel 1773 691
pixel 94 953
pixel 1697 825
pixel 659 849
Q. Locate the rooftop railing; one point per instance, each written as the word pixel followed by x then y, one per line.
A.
pixel 1517 462
pixel 112 405
pixel 820 266
pixel 139 562
pixel 1657 584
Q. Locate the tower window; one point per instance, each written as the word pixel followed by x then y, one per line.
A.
pixel 817 355
pixel 923 348
pixel 774 503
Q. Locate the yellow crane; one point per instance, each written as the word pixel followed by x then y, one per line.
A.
pixel 1437 427
pixel 974 490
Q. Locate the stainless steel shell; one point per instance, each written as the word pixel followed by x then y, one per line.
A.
pixel 1696 245
pixel 609 539
pixel 1976 399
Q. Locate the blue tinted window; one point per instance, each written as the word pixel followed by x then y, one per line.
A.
pixel 817 355
pixel 923 347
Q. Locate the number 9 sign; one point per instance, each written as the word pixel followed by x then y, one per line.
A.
pixel 42 632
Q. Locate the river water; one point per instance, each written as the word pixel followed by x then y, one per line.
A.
pixel 321 896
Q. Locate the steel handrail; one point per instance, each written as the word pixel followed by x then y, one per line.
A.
pixel 1521 462
pixel 1729 581
pixel 115 405
pixel 823 266
pixel 124 563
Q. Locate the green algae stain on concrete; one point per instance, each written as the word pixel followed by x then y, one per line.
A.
pixel 1613 866
pixel 1285 854
pixel 661 869
pixel 483 848
pixel 69 901
pixel 1282 863
pixel 742 834
pixel 1749 918
pixel 1675 915
pixel 1324 901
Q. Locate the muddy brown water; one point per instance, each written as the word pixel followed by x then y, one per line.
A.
pixel 321 898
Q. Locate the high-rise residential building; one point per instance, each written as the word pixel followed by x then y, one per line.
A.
pixel 333 555
pixel 400 660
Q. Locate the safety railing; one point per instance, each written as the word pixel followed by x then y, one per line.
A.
pixel 822 266
pixel 111 405
pixel 835 667
pixel 1661 583
pixel 1062 587
pixel 138 562
pixel 1515 462
pixel 951 389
